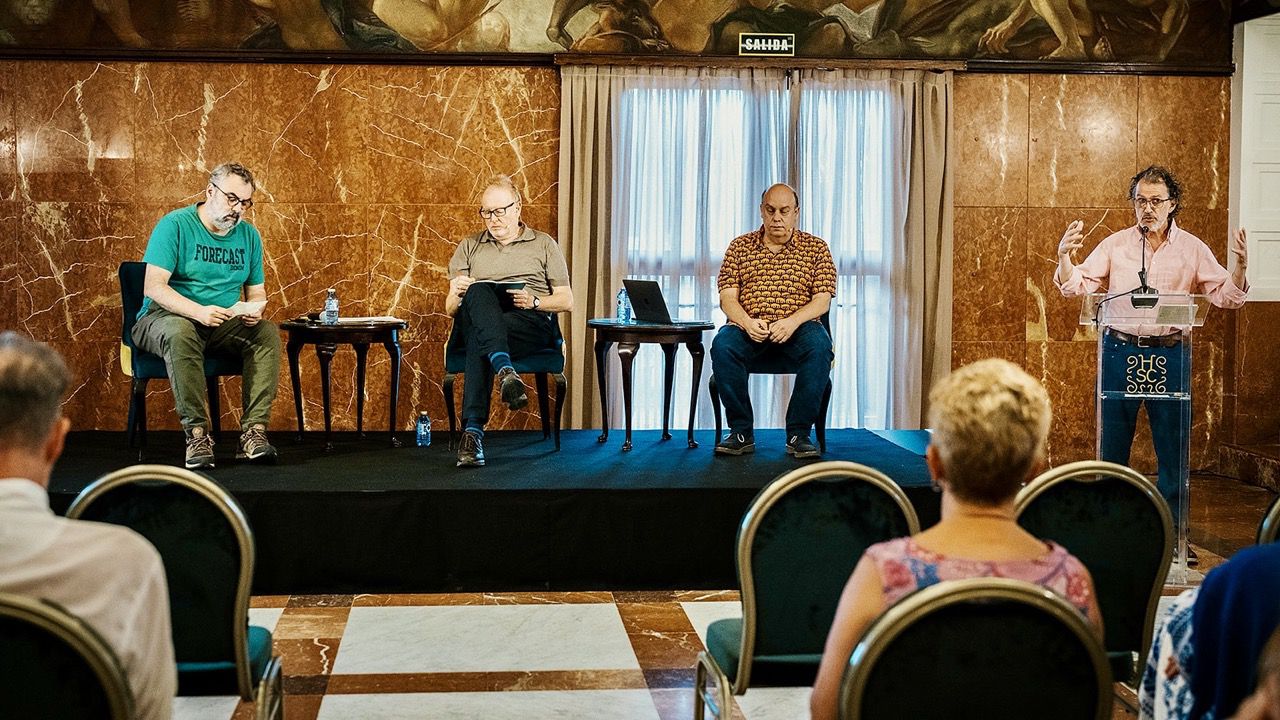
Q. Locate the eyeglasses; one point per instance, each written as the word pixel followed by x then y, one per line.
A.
pixel 232 199
pixel 497 212
pixel 1153 203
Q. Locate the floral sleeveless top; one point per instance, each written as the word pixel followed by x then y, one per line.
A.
pixel 906 567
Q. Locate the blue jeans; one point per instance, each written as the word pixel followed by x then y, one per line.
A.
pixel 808 354
pixel 1169 425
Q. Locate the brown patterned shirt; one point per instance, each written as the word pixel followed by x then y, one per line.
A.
pixel 774 286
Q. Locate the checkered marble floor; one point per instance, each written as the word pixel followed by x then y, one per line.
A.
pixel 497 656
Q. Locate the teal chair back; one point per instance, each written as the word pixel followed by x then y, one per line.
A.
pixel 53 665
pixel 1114 520
pixel 978 649
pixel 204 541
pixel 1269 528
pixel 797 546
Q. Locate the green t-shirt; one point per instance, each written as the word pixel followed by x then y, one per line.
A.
pixel 207 269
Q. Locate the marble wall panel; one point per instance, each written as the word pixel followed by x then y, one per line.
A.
pixel 966 352
pixel 68 255
pixel 10 230
pixel 1185 124
pixel 439 132
pixel 1068 370
pixel 190 117
pixel 409 251
pixel 308 132
pixel 989 260
pixel 1083 139
pixel 991 139
pixel 8 136
pixel 1257 384
pixel 310 248
pixel 98 398
pixel 75 130
pixel 1207 370
pixel 1050 316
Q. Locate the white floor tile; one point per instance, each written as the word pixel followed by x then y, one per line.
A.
pixel 702 614
pixel 488 638
pixel 265 617
pixel 204 708
pixel 540 705
pixel 775 703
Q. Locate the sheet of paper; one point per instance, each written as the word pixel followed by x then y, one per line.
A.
pixel 247 308
pixel 368 320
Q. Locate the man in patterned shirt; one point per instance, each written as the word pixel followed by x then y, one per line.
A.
pixel 775 283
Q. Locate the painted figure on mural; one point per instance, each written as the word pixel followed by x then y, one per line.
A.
pixel 622 26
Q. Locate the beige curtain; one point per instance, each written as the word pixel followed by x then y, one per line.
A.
pixel 930 230
pixel 595 262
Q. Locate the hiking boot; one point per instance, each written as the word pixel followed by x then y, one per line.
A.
pixel 199 449
pixel 799 447
pixel 254 446
pixel 736 444
pixel 512 388
pixel 470 450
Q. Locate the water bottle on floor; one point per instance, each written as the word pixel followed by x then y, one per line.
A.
pixel 330 314
pixel 424 429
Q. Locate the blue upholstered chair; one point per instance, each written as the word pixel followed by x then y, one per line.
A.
pixel 776 364
pixel 1114 520
pixel 1269 528
pixel 978 648
pixel 540 364
pixel 797 546
pixel 207 548
pixel 143 366
pixel 54 665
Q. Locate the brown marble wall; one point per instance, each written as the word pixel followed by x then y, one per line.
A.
pixel 1033 153
pixel 368 177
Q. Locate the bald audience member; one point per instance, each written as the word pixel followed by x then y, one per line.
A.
pixel 106 575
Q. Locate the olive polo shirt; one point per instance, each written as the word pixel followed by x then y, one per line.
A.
pixel 533 258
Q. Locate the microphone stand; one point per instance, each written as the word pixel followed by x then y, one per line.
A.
pixel 1144 296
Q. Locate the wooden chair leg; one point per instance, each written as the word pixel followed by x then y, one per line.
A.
pixel 562 393
pixel 543 404
pixel 449 407
pixel 215 407
pixel 715 403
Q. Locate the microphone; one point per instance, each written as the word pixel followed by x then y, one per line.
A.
pixel 1144 296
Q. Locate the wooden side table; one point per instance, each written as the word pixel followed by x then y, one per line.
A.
pixel 326 338
pixel 629 337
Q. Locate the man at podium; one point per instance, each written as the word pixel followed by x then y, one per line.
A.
pixel 1152 257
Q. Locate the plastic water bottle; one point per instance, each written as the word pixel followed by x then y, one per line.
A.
pixel 624 306
pixel 424 429
pixel 330 314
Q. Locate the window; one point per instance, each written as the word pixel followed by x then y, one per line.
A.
pixel 693 152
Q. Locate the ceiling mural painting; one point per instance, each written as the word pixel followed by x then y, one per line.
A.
pixel 1185 32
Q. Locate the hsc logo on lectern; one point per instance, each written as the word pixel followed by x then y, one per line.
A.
pixel 768 44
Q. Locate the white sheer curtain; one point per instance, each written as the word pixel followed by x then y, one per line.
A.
pixel 692 151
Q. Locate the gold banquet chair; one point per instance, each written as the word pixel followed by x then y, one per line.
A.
pixel 1269 528
pixel 54 665
pixel 978 648
pixel 1114 520
pixel 207 548
pixel 797 546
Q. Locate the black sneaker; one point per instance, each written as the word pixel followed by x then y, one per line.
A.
pixel 736 444
pixel 470 450
pixel 512 388
pixel 199 449
pixel 799 447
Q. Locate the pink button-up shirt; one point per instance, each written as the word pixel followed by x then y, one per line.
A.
pixel 1182 264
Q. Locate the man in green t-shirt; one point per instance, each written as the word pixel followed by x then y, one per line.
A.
pixel 199 259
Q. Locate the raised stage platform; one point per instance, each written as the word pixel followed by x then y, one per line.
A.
pixel 370 518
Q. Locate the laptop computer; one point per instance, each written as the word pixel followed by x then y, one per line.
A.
pixel 647 302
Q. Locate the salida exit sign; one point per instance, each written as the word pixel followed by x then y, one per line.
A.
pixel 767 44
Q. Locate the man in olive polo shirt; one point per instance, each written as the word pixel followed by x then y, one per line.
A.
pixel 775 284
pixel 199 259
pixel 500 324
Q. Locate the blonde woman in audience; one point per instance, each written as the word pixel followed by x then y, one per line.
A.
pixel 990 420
